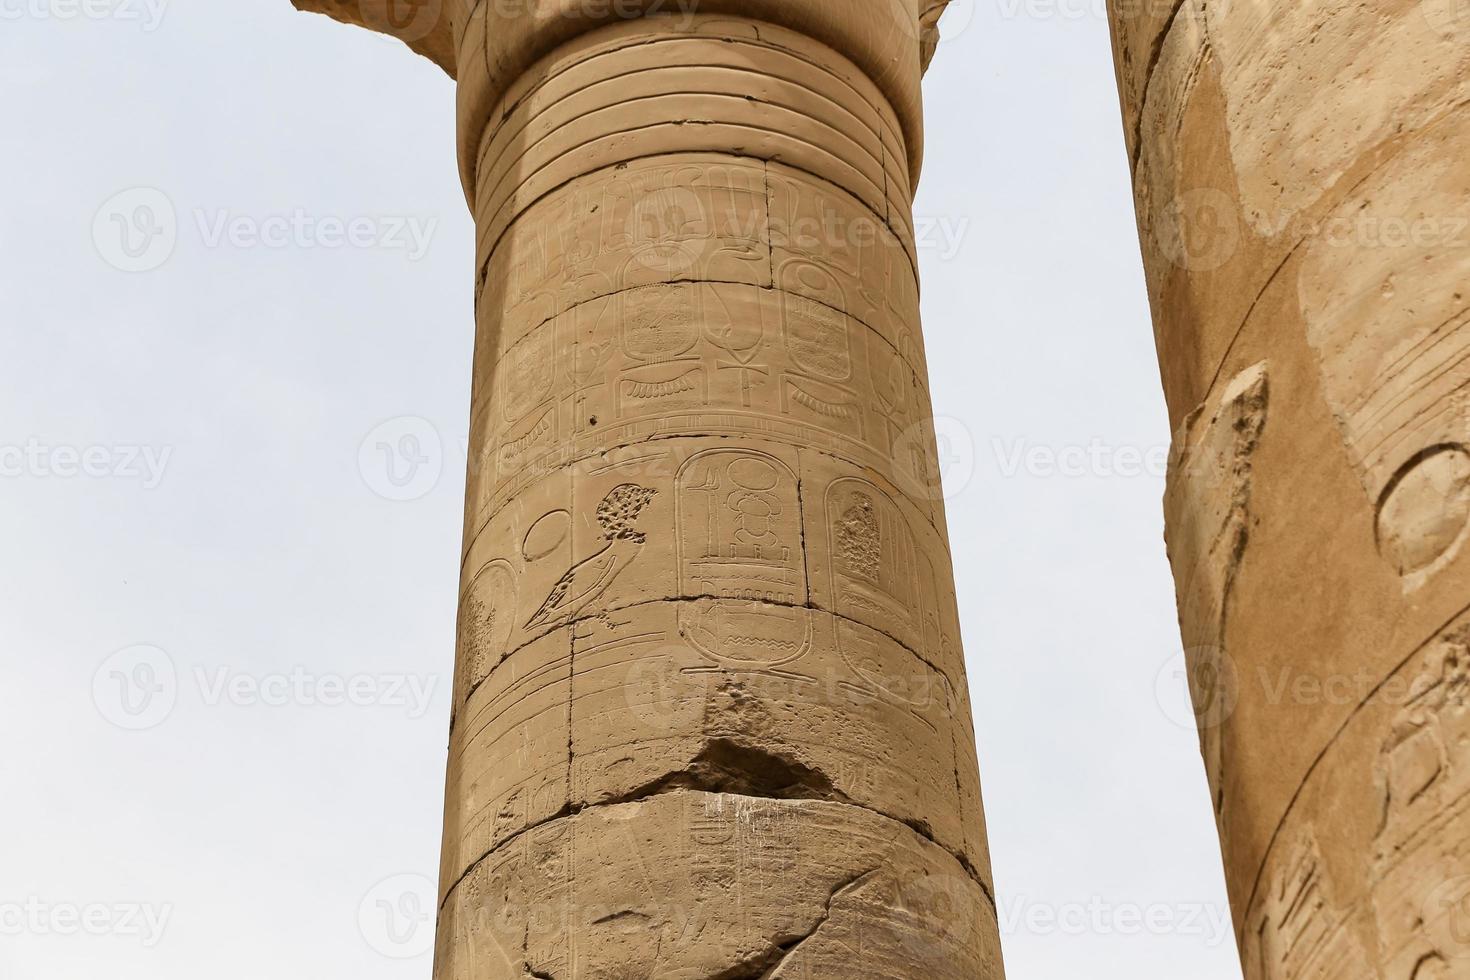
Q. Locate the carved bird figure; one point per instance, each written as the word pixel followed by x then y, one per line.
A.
pixel 590 578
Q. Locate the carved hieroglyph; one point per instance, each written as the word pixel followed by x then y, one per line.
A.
pixel 1303 203
pixel 1390 327
pixel 711 716
pixel 1208 502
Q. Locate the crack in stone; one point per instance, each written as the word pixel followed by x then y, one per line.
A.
pixel 576 620
pixel 674 783
pixel 792 948
pixel 768 964
pixel 727 767
pixel 1155 55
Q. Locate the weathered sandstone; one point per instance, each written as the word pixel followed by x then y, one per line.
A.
pixel 711 718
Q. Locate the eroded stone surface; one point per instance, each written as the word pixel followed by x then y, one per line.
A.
pixel 711 718
pixel 1336 883
pixel 699 885
pixel 1386 295
pixel 1302 203
pixel 1208 507
pixel 426 26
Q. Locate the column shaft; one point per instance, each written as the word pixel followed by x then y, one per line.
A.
pixel 711 717
pixel 1303 201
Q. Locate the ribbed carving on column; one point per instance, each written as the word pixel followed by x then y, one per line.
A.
pixel 707 84
pixel 711 715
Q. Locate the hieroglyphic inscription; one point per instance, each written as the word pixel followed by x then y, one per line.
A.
pixel 1301 933
pixel 709 359
pixel 1390 328
pixel 739 523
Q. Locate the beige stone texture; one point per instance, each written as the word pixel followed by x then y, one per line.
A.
pixel 711 719
pixel 1304 209
pixel 424 25
pixel 697 885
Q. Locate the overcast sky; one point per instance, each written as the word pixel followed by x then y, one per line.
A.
pixel 227 634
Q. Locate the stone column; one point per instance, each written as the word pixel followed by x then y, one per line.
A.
pixel 711 716
pixel 1304 207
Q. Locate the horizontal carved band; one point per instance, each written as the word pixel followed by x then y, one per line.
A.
pixel 724 86
pixel 502 40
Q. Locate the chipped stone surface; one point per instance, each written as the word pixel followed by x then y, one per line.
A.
pixel 424 25
pixel 1208 505
pixel 711 719
pixel 1386 296
pixel 667 694
pixel 704 885
pixel 1377 72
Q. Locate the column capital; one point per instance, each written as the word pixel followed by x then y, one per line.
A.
pixel 426 26
pixel 502 40
pixel 487 44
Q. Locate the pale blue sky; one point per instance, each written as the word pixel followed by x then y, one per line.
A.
pixel 180 470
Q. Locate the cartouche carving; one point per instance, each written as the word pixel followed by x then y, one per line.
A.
pixel 740 542
pixel 695 735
